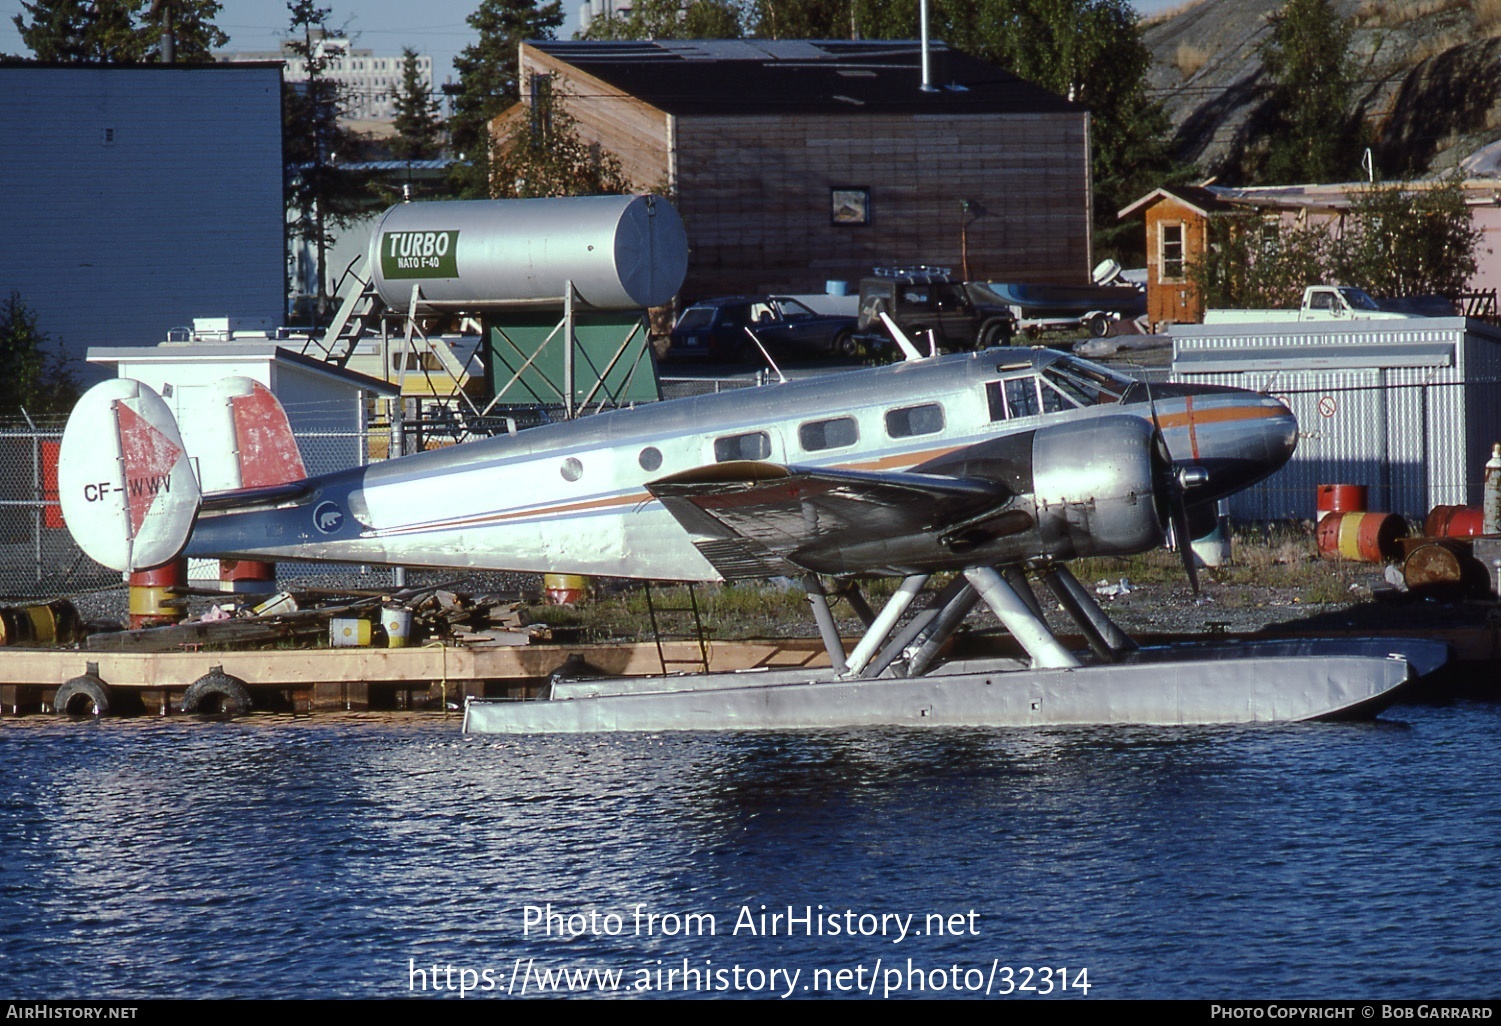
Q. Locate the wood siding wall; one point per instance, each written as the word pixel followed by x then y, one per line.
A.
pixel 635 132
pixel 755 193
pixel 1172 299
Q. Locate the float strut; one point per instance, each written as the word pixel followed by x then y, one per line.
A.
pixel 882 625
pixel 1107 640
pixel 1041 645
pixel 918 625
pixel 930 641
pixel 827 629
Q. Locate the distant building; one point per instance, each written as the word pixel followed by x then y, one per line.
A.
pixel 370 82
pixel 794 163
pixel 139 196
pixel 1178 219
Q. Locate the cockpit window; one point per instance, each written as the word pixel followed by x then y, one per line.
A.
pixel 1106 386
pixel 1012 398
pixel 1053 400
pixel 1075 390
pixel 754 445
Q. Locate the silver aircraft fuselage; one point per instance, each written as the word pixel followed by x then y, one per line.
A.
pixel 572 497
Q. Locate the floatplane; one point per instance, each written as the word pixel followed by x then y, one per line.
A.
pixel 971 477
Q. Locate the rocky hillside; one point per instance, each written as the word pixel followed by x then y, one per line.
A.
pixel 1428 79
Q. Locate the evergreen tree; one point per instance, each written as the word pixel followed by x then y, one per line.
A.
pixel 671 19
pixel 489 82
pixel 1312 135
pixel 118 31
pixel 36 379
pixel 320 194
pixel 419 130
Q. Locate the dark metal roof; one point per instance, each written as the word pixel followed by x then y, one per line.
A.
pixel 756 76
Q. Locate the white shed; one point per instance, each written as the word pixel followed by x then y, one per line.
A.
pixel 1407 408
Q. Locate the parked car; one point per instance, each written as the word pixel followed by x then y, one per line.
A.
pixel 920 299
pixel 716 328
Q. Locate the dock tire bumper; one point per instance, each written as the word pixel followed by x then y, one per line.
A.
pixel 216 693
pixel 83 696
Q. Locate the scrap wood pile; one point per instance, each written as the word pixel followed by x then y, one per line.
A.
pixel 307 616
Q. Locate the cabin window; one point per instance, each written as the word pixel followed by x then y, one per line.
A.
pixel 1170 251
pixel 572 469
pixel 914 420
pixel 753 445
pixel 828 434
pixel 650 458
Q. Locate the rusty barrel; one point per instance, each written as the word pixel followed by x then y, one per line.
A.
pixel 1364 537
pixel 1454 522
pixel 1444 569
pixel 50 623
pixel 1340 498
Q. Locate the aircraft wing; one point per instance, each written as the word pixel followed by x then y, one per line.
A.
pixel 754 519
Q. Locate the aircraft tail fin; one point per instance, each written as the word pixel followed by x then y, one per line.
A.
pixel 126 486
pixel 255 447
pixel 129 491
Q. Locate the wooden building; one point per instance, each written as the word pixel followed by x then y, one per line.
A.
pixel 1177 237
pixel 795 163
pixel 1178 220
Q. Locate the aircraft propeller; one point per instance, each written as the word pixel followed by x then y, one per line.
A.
pixel 1173 482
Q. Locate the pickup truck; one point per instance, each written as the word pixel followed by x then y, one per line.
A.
pixel 922 299
pixel 1320 303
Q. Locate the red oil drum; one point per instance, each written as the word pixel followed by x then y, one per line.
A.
pixel 1454 522
pixel 1363 537
pixel 154 598
pixel 1341 498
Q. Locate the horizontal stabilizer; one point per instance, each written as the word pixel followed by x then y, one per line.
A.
pixel 127 490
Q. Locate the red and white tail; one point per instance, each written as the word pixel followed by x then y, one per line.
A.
pixel 124 481
pixel 127 482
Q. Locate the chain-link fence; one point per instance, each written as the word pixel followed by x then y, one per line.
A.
pixel 38 557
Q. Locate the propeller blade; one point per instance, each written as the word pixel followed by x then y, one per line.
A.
pixel 1184 542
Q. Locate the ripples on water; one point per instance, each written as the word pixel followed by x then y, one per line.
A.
pixel 282 858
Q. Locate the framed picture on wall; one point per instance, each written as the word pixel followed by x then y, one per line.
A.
pixel 849 205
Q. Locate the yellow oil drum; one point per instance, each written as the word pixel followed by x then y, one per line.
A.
pixel 397 621
pixel 1362 537
pixel 565 589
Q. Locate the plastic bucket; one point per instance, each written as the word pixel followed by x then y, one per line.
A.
pixel 397 620
pixel 1341 498
pixel 348 633
pixel 1363 537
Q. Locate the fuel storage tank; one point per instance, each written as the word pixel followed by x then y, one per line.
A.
pixel 620 252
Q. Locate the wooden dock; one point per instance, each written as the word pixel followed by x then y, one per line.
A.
pixel 442 676
pixel 302 680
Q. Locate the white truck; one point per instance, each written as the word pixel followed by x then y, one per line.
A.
pixel 1320 303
